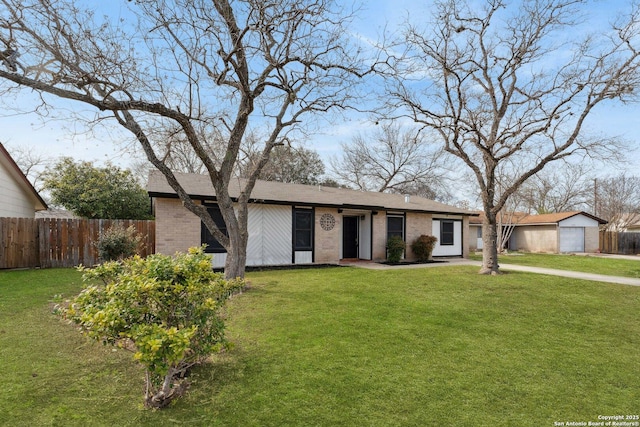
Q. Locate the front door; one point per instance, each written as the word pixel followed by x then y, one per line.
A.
pixel 350 236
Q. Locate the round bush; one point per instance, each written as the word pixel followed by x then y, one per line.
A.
pixel 167 310
pixel 423 246
pixel 395 248
pixel 118 243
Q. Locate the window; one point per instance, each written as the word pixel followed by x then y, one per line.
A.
pixel 446 233
pixel 302 229
pixel 395 226
pixel 213 246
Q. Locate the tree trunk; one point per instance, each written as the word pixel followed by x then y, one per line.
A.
pixel 234 266
pixel 168 391
pixel 489 245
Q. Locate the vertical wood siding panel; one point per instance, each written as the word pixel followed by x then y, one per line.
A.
pixel 219 260
pixel 255 227
pixel 277 235
pixel 269 235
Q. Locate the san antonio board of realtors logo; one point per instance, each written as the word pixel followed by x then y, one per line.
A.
pixel 327 222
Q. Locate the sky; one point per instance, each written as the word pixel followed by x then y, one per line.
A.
pixel 56 138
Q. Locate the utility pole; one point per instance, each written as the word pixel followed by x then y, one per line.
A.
pixel 595 196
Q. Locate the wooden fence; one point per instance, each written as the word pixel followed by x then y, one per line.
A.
pixel 612 242
pixel 54 242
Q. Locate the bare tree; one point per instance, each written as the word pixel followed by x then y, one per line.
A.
pixel 294 165
pixel 288 162
pixel 32 163
pixel 192 68
pixel 511 83
pixel 560 187
pixel 392 159
pixel 617 200
pixel 566 187
pixel 178 154
pixel 508 217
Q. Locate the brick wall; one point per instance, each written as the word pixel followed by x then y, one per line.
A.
pixel 379 236
pixel 465 236
pixel 416 225
pixel 328 242
pixel 540 238
pixel 591 239
pixel 177 229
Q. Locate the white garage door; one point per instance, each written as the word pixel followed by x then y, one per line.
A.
pixel 571 239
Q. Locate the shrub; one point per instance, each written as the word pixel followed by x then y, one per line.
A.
pixel 165 309
pixel 423 246
pixel 118 242
pixel 395 248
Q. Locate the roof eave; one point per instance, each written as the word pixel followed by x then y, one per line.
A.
pixel 159 194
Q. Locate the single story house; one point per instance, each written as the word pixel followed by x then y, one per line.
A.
pixel 474 237
pixel 625 223
pixel 563 232
pixel 18 198
pixel 303 224
pixel 633 228
pixel 56 213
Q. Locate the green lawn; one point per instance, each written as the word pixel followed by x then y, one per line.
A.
pixel 346 346
pixel 585 263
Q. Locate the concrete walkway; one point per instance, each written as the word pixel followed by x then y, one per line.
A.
pixel 513 267
pixel 572 274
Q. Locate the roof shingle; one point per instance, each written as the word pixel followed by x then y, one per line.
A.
pixel 521 218
pixel 199 186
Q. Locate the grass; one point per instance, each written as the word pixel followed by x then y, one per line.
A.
pixel 345 346
pixel 584 263
pixel 52 375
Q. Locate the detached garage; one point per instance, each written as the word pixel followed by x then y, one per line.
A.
pixel 564 232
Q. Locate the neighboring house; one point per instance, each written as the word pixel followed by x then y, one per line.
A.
pixel 563 232
pixel 302 224
pixel 508 221
pixel 633 228
pixel 57 213
pixel 18 198
pixel 475 232
pixel 627 222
